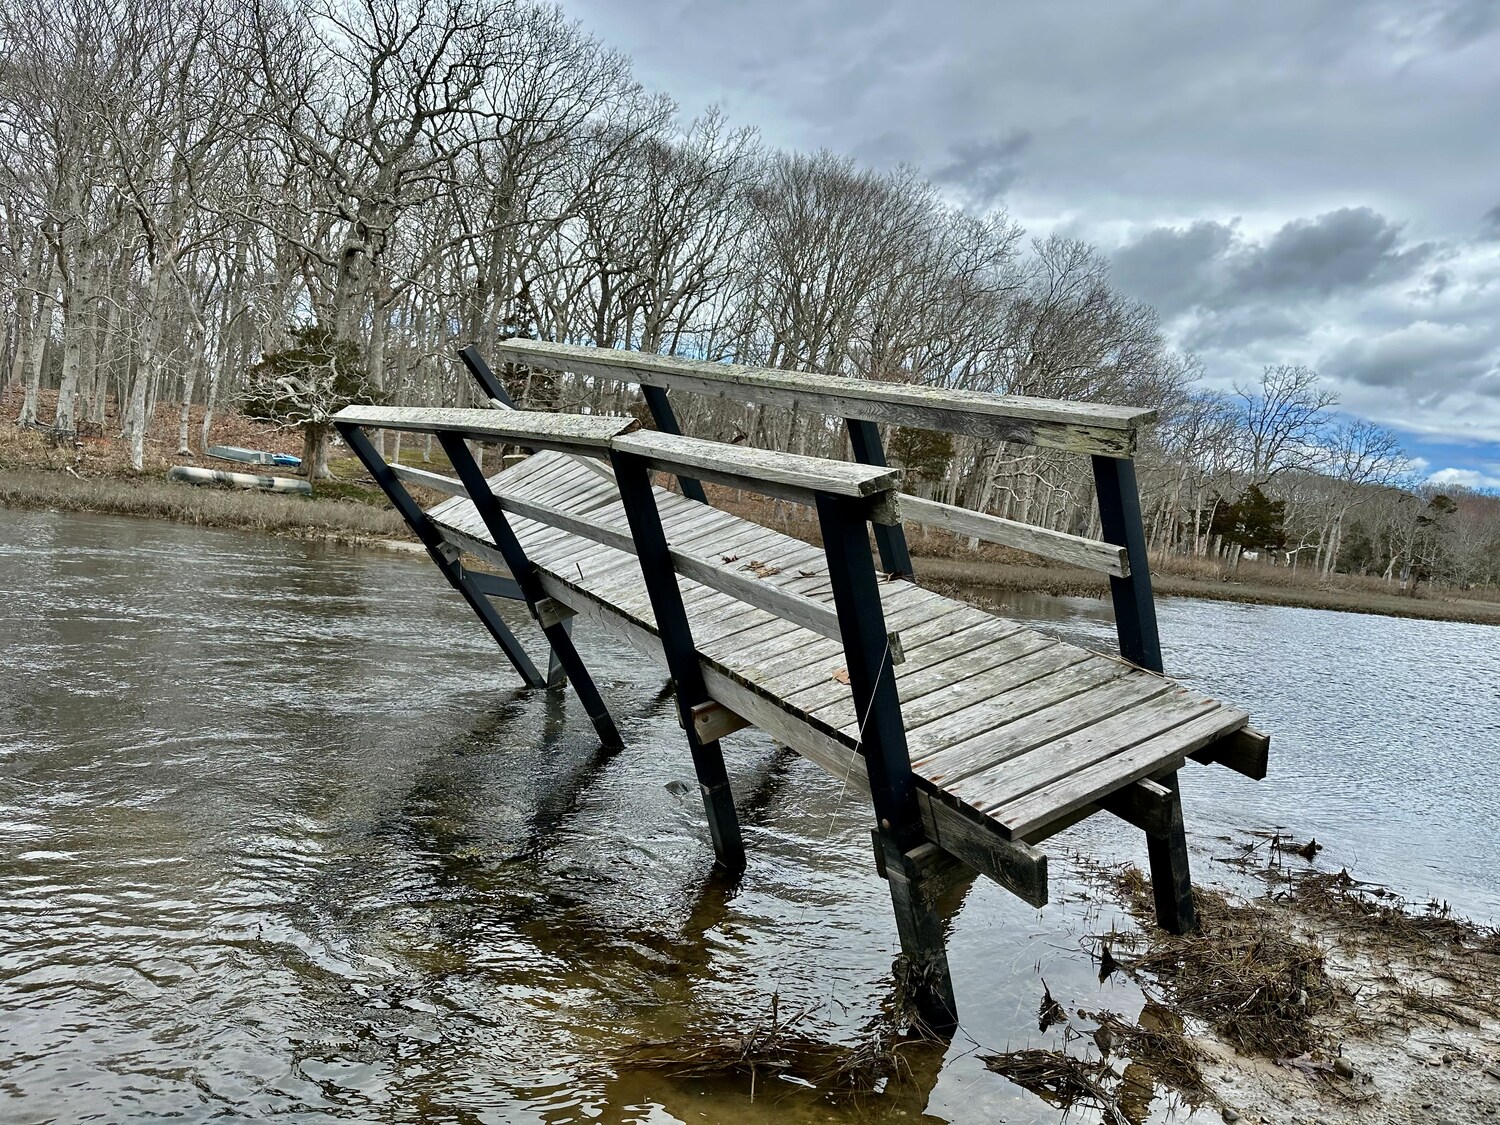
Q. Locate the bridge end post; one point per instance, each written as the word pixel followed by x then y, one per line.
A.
pixel 1140 643
pixel 890 539
pixel 902 850
pixel 633 478
pixel 666 422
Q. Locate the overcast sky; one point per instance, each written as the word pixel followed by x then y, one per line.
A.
pixel 1288 181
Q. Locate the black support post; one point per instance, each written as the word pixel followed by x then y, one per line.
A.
pixel 1140 643
pixel 634 480
pixel 900 842
pixel 890 539
pixel 543 608
pixel 488 382
pixel 1120 519
pixel 666 422
pixel 443 554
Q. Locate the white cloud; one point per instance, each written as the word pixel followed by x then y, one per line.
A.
pixel 1467 478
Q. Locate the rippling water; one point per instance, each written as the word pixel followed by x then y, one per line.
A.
pixel 279 836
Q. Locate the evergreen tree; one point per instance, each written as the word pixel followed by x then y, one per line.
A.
pixel 305 385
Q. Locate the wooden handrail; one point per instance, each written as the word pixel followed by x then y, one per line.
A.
pixel 1079 427
pixel 1075 550
pixel 786 475
pixel 568 433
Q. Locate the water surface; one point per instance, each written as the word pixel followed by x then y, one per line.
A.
pixel 279 836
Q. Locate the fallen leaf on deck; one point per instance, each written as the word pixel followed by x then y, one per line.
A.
pixel 842 675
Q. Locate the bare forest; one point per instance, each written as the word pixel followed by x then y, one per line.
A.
pixel 191 194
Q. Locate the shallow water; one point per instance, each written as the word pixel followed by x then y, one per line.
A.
pixel 279 836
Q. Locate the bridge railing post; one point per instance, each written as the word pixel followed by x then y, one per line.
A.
pixel 890 539
pixel 442 553
pixel 633 477
pixel 844 524
pixel 665 418
pixel 1140 643
pixel 548 615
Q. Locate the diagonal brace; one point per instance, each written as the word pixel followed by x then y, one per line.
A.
pixel 442 553
pixel 553 623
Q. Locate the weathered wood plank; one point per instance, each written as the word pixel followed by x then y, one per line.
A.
pixel 1012 739
pixel 759 470
pixel 1075 426
pixel 924 701
pixel 1051 763
pixel 576 433
pixel 1074 550
pixel 1025 815
pixel 1245 751
pixel 979 718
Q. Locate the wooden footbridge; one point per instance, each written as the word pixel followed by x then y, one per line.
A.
pixel 975 738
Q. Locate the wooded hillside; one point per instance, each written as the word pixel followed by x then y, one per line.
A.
pixel 190 193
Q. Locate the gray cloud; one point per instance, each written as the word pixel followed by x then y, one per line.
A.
pixel 1244 326
pixel 1350 247
pixel 983 171
pixel 1285 182
pixel 1211 265
pixel 1489 227
pixel 1170 267
pixel 1429 360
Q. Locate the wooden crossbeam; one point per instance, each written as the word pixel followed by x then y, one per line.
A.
pixel 1074 550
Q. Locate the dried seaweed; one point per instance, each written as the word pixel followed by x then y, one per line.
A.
pixel 1065 1081
pixel 1242 972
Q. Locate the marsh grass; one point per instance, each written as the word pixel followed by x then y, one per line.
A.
pixel 208 506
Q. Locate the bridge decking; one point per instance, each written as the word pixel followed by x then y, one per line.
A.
pixel 1007 727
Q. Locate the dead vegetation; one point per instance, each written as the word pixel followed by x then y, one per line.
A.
pixel 1244 972
pixel 778 1046
pixel 300 517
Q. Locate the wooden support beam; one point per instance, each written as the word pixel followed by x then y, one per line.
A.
pixel 526 576
pixel 978 843
pixel 435 481
pixel 495 585
pixel 1246 751
pixel 432 537
pixel 890 539
pixel 712 721
pixel 676 636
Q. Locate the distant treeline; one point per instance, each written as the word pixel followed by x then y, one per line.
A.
pixel 199 201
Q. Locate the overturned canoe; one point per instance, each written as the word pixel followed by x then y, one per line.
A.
pixel 187 474
pixel 253 456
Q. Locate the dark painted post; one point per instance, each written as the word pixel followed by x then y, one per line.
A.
pixel 543 608
pixel 488 382
pixel 890 539
pixel 443 554
pixel 1120 518
pixel 666 422
pixel 1140 643
pixel 634 480
pixel 899 836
